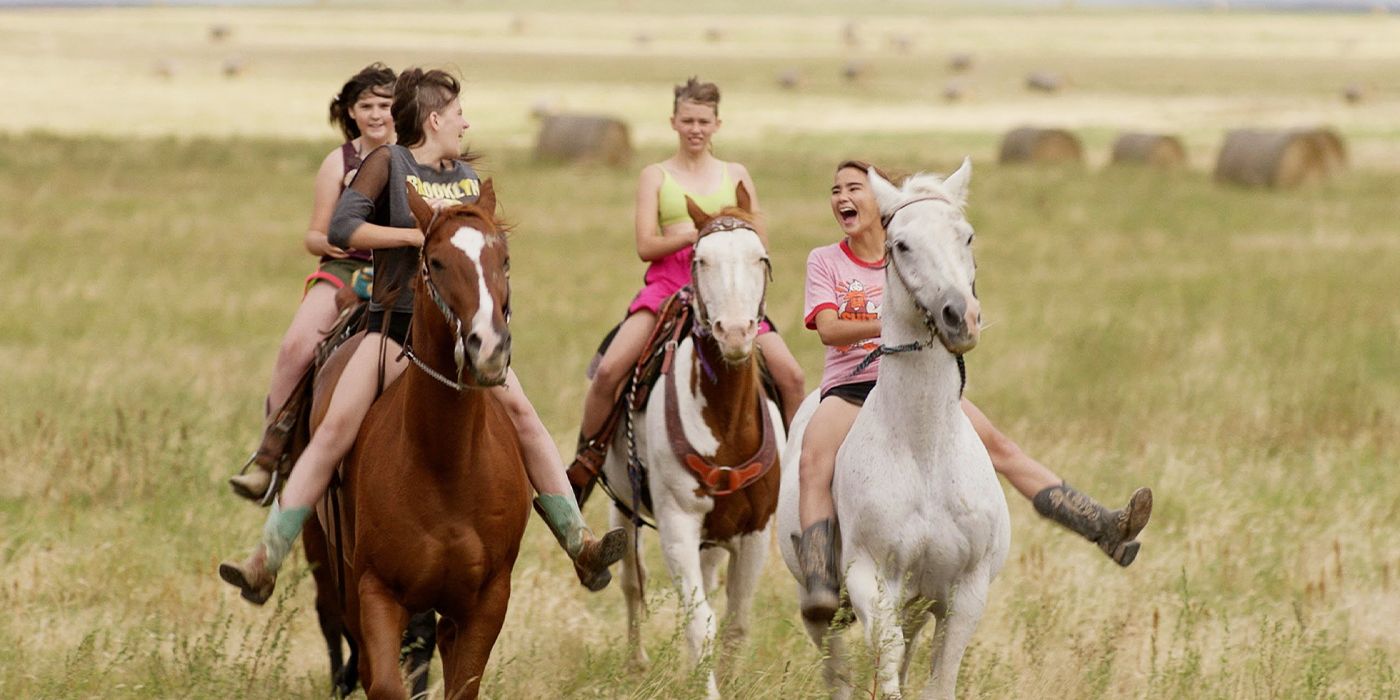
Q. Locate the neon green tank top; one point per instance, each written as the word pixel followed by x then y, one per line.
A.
pixel 670 203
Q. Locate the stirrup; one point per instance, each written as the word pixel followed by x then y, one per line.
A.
pixel 274 476
pixel 583 472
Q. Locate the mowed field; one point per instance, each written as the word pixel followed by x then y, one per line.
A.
pixel 1236 350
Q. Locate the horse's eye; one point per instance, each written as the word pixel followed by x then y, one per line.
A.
pixel 506 266
pixel 970 236
pixel 901 246
pixel 436 264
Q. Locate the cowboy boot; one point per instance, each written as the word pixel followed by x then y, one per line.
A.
pixel 257 575
pixel 253 483
pixel 1114 531
pixel 587 465
pixel 591 556
pixel 816 555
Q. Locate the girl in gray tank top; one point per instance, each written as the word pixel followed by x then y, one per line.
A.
pixel 373 214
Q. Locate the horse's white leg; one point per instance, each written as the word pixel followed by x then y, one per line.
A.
pixel 745 567
pixel 916 615
pixel 876 603
pixel 634 579
pixel 710 560
pixel 956 623
pixel 679 533
pixel 834 671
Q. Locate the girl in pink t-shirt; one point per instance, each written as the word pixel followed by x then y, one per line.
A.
pixel 845 284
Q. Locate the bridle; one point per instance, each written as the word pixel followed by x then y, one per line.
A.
pixel 459 351
pixel 935 336
pixel 701 326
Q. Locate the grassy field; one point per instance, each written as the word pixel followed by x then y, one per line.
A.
pixel 1235 350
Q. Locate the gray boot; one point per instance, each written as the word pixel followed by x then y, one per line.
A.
pixel 1114 531
pixel 816 554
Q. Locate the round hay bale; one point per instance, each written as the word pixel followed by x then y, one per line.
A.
pixel 714 35
pixel 954 90
pixel 584 137
pixel 853 70
pixel 517 24
pixel 960 62
pixel 1034 145
pixel 1329 147
pixel 850 33
pixel 219 31
pixel 233 66
pixel 642 39
pixel 1042 81
pixel 790 79
pixel 1156 150
pixel 902 43
pixel 1353 94
pixel 1270 158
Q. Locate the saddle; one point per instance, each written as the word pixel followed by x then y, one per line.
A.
pixel 673 323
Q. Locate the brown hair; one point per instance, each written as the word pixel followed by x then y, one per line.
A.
pixel 865 167
pixel 375 78
pixel 417 94
pixel 695 91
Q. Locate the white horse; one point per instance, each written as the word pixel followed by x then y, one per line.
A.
pixel 709 440
pixel 922 520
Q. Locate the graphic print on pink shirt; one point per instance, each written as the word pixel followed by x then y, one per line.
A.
pixel 853 288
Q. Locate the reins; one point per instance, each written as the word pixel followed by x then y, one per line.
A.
pixel 934 336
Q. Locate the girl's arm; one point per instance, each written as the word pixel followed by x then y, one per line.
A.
pixel 327 191
pixel 650 245
pixel 760 226
pixel 350 225
pixel 838 331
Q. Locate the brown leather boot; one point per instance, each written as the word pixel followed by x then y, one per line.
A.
pixel 253 483
pixel 816 555
pixel 251 575
pixel 1114 531
pixel 584 470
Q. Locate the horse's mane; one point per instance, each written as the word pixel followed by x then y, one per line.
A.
pixel 745 216
pixel 923 184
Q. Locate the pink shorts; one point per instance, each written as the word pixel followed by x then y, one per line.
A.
pixel 666 277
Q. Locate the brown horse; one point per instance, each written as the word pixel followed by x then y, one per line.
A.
pixel 710 439
pixel 434 497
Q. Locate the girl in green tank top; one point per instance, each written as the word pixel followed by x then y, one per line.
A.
pixel 664 237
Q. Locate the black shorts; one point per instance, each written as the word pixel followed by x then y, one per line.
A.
pixel 398 324
pixel 853 393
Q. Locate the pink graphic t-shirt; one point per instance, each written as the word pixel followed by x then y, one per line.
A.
pixel 853 288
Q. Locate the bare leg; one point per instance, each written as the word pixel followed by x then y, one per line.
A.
pixel 309 325
pixel 617 362
pixel 792 383
pixel 353 395
pixel 1027 475
pixel 825 433
pixel 542 463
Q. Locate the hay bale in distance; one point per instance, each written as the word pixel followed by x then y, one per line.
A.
pixel 166 68
pixel 960 62
pixel 584 137
pixel 790 79
pixel 714 34
pixel 1353 94
pixel 954 90
pixel 1279 158
pixel 1156 150
pixel 233 66
pixel 853 71
pixel 1035 145
pixel 219 31
pixel 1042 81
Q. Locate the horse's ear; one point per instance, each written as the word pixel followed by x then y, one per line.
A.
pixel 957 183
pixel 741 196
pixel 697 214
pixel 886 194
pixel 486 199
pixel 422 213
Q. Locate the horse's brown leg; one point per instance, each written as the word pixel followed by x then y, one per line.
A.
pixel 466 638
pixel 382 622
pixel 328 611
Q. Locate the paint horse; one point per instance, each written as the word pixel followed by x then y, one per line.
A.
pixel 922 520
pixel 709 439
pixel 434 498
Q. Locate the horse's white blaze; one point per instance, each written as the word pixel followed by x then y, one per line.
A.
pixel 471 242
pixel 692 406
pixel 732 284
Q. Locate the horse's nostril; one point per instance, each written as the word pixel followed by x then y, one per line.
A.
pixel 473 343
pixel 952 315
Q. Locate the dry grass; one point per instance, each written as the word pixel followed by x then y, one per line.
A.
pixel 1235 350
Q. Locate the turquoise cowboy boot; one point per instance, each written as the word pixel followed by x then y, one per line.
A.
pixel 591 556
pixel 257 575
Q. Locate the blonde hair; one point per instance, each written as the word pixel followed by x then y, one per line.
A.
pixel 695 91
